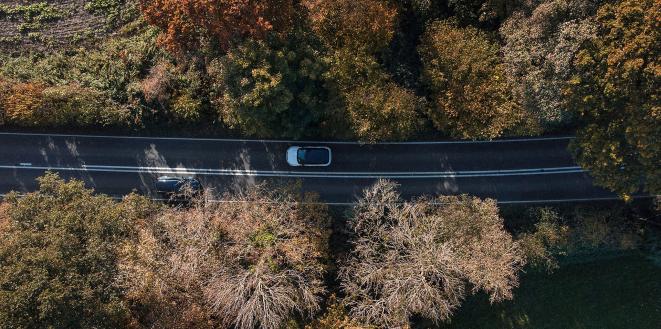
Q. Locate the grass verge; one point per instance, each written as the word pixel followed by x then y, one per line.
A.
pixel 623 292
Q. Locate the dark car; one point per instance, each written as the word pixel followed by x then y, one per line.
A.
pixel 308 156
pixel 178 186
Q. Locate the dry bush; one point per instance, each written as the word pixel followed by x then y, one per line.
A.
pixel 157 86
pixel 4 217
pixel 419 257
pixel 254 259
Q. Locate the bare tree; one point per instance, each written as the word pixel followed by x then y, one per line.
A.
pixel 422 257
pixel 252 259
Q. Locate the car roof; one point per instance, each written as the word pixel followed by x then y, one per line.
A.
pixel 316 155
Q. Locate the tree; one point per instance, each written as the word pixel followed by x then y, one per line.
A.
pixel 189 24
pixel 616 96
pixel 383 111
pixel 271 89
pixel 58 253
pixel 463 72
pixel 356 24
pixel 541 42
pixel 253 260
pixel 416 258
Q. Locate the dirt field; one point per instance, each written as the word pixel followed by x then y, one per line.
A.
pixel 48 24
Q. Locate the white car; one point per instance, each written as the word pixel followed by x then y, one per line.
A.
pixel 303 156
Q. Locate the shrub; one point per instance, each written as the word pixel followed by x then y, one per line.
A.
pixel 34 104
pixel 336 317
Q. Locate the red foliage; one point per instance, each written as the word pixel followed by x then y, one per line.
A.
pixel 185 23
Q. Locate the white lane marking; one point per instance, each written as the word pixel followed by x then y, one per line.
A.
pixel 498 201
pixel 510 140
pixel 299 174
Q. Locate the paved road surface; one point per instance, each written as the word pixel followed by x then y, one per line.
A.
pixel 511 171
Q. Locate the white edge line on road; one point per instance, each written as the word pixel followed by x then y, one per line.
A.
pixel 498 201
pixel 210 172
pixel 510 140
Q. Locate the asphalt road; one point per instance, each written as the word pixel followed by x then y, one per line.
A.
pixel 511 171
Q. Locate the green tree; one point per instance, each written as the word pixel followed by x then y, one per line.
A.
pixel 463 71
pixel 616 96
pixel 271 89
pixel 58 257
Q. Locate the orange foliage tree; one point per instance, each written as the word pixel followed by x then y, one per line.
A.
pixel 187 24
pixel 24 104
pixel 362 24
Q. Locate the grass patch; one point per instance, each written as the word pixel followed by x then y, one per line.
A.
pixel 623 292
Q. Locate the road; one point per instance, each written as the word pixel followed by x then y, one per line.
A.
pixel 511 171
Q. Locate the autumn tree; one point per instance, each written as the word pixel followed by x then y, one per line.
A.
pixel 383 111
pixel 189 24
pixel 368 25
pixel 271 89
pixel 541 43
pixel 58 257
pixel 419 257
pixel 463 72
pixel 616 96
pixel 255 259
pixel 357 33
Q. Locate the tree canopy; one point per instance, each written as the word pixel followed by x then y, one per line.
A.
pixel 58 253
pixel 616 96
pixel 189 24
pixel 463 71
pixel 255 259
pixel 417 257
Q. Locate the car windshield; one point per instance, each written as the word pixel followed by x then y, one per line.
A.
pixel 313 156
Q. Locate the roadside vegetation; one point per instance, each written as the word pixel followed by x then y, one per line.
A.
pixel 272 257
pixel 370 70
